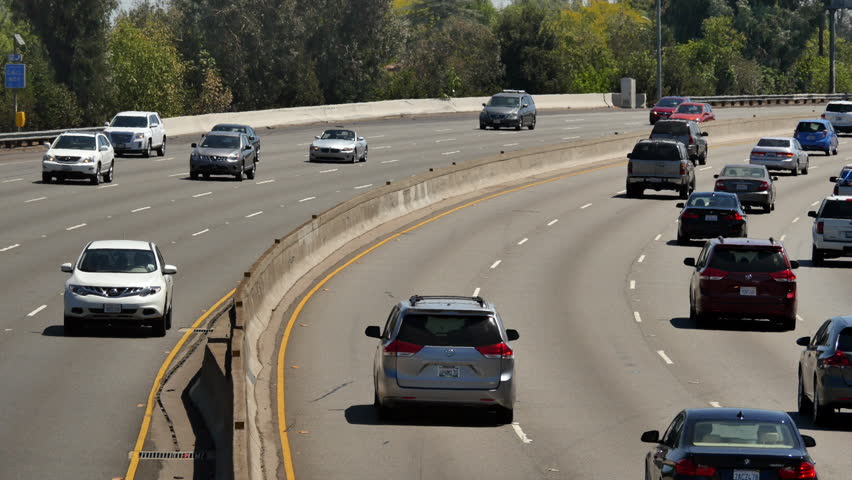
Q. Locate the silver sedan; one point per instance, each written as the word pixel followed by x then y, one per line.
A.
pixel 780 153
pixel 338 145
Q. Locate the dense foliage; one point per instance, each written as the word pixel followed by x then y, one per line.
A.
pixel 86 59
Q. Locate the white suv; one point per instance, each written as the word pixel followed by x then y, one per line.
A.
pixel 137 132
pixel 79 155
pixel 832 230
pixel 119 282
pixel 839 113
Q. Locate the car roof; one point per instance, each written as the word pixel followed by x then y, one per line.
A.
pixel 777 138
pixel 219 133
pixel 844 320
pixel 745 242
pixel 134 113
pixel 446 302
pixel 838 198
pixel 121 244
pixel 713 194
pixel 80 134
pixel 659 140
pixel 815 120
pixel 239 125
pixel 508 94
pixel 735 414
pixel 842 102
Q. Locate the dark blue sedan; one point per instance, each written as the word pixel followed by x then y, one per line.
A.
pixel 729 444
pixel 709 215
pixel 817 134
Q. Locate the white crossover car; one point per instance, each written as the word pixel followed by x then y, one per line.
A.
pixel 119 282
pixel 79 155
pixel 137 132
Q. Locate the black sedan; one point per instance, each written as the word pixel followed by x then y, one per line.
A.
pixel 253 137
pixel 709 215
pixel 729 444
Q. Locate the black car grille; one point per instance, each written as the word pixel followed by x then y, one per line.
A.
pixel 497 116
pixel 330 150
pixel 113 292
pixel 67 159
pixel 213 158
pixel 121 137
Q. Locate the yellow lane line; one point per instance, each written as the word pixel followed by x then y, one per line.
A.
pixel 149 408
pixel 282 418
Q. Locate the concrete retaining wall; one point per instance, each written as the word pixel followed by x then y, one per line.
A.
pixel 294 255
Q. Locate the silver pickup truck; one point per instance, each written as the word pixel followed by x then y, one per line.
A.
pixel 660 165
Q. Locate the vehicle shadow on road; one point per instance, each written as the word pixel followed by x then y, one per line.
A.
pixel 825 264
pixel 684 323
pixel 423 417
pixel 647 197
pixel 99 332
pixel 840 422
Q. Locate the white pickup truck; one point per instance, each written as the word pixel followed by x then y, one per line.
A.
pixel 832 230
pixel 137 132
pixel 660 165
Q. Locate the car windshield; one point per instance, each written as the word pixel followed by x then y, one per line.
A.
pixel 810 127
pixel 338 135
pixel 655 151
pixel 115 260
pixel 229 128
pixel 773 142
pixel 669 102
pixel 839 107
pixel 504 102
pixel 75 142
pixel 743 172
pixel 688 108
pixel 742 434
pixel 445 330
pixel 712 201
pixel 837 209
pixel 670 128
pixel 754 260
pixel 221 141
pixel 129 122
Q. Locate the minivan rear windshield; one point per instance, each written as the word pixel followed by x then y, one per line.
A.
pixel 837 209
pixel 758 260
pixel 773 142
pixel 839 107
pixel 442 330
pixel 655 151
pixel 671 128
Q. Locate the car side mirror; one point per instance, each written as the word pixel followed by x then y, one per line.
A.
pixel 651 436
pixel 704 134
pixel 106 124
pixel 808 441
pixel 689 261
pixel 67 268
pixel 630 155
pixel 248 147
pixel 832 179
pixel 316 137
pixel 252 138
pixel 483 104
pixel 169 270
pixel 360 139
pixel 812 214
pixel 193 145
pixel 373 331
pixel 716 175
pixel 803 341
pixel 794 264
pixel 680 205
pixel 512 334
pixel 526 105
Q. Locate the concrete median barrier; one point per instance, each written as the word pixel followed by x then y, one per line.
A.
pixel 294 256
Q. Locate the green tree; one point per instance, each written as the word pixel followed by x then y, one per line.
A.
pixel 527 45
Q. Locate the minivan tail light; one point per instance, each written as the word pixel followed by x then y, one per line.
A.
pixel 687 466
pixel 398 348
pixel 785 276
pixel 822 116
pixel 839 359
pixel 821 226
pixel 713 274
pixel 683 169
pixel 498 350
pixel 764 186
pixel 802 470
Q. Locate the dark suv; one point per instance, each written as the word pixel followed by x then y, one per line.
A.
pixel 743 278
pixel 686 132
pixel 825 370
pixel 511 108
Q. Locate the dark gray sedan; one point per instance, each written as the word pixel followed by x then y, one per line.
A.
pixel 825 370
pixel 223 153
pixel 752 184
pixel 253 137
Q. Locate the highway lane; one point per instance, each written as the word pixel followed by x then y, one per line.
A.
pixel 591 377
pixel 77 397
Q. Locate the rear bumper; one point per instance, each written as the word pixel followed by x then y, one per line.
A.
pixel 835 391
pixel 753 198
pixel 708 230
pixel 836 248
pixel 815 144
pixel 842 127
pixel 391 394
pixel 755 308
pixel 658 183
pixel 787 164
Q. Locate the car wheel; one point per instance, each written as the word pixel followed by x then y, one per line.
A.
pixel 702 160
pixel 193 175
pixel 147 152
pixel 239 175
pixel 250 173
pixel 834 152
pixel 46 178
pixel 383 412
pixel 767 208
pixel 788 324
pixel 482 126
pixel 72 326
pixel 96 178
pixel 161 150
pixel 364 158
pixel 110 173
pixel 532 125
pixel 821 414
pixel 805 405
pixel 158 327
pixel 520 124
pixel 684 192
pixel 682 239
pixel 827 152
pixel 795 171
pixel 805 170
pixel 206 176
pixel 169 319
pixel 505 416
pixel 817 256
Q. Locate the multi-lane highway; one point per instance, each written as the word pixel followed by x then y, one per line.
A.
pixel 71 405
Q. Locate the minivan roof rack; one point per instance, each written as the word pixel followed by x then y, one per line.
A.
pixel 506 90
pixel 416 298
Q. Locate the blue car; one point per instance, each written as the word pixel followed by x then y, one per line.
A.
pixel 817 134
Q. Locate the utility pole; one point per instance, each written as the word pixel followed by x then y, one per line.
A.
pixel 15 50
pixel 659 50
pixel 832 50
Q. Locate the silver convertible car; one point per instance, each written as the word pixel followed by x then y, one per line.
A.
pixel 338 145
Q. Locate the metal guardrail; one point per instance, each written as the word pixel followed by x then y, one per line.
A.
pixel 750 100
pixel 21 139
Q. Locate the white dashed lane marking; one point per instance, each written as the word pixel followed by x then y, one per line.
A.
pixel 570 128
pixel 108 186
pixel 13 180
pixel 585 206
pixel 179 174
pixel 377 136
pixel 265 181
pixel 637 317
pixel 552 222
pixel 476 292
pixel 75 227
pixel 306 199
pixel 657 238
pixel 496 264
pixel 363 186
pixel 389 161
pixel 816 203
pixel 641 258
pixel 451 153
pixel 523 241
pixel 254 214
pixel 704 168
pixel 633 285
pixel 202 194
pixel 782 238
pixel 795 219
pixel 511 144
pixel 570 138
pixel 520 433
pixel 201 232
pixel 799 318
pixel 445 140
pixel 10 247
pixel 35 199
pixel 328 171
pixel 382 147
pixel 665 357
pixel 35 312
pixel 140 209
pixel 715 404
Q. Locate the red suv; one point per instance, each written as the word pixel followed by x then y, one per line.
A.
pixel 665 107
pixel 743 278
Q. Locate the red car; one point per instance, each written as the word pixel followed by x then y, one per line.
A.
pixel 743 278
pixel 665 107
pixel 699 112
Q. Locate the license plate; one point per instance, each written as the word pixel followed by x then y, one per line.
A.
pixel 66 168
pixel 497 121
pixel 112 308
pixel 655 180
pixel 711 218
pixel 448 372
pixel 746 475
pixel 742 187
pixel 748 291
pixel 811 137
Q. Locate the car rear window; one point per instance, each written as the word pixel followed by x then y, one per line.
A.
pixel 773 142
pixel 745 172
pixel 810 127
pixel 756 260
pixel 742 433
pixel 670 128
pixel 838 107
pixel 844 341
pixel 655 151
pixel 837 209
pixel 711 201
pixel 442 330
pixel 689 108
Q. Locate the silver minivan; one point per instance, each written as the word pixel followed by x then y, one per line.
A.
pixel 444 350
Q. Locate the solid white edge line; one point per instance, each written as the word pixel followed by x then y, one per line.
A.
pixel 201 232
pixel 520 433
pixel 35 199
pixel 658 237
pixel 552 222
pixel 715 404
pixel 495 264
pixel 665 357
pixel 13 180
pixel 476 292
pixel 34 312
pixel 523 241
pixel 306 199
pixel 254 214
pixel 202 194
pixel 265 181
pixel 586 206
pixel 140 209
pixel 10 247
pixel 641 259
pixel 632 284
pixel 76 227
pixel 637 317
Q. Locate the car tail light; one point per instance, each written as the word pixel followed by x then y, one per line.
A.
pixel 398 348
pixel 764 186
pixel 498 350
pixel 825 133
pixel 690 215
pixel 803 470
pixel 687 466
pixel 713 274
pixel 822 116
pixel 786 154
pixel 839 359
pixel 720 185
pixel 820 227
pixel 691 139
pixel 785 276
pixel 683 169
pixel 757 153
pixel 733 216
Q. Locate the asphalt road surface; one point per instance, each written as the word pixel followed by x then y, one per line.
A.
pixel 71 405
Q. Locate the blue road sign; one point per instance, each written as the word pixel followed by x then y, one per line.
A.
pixel 16 75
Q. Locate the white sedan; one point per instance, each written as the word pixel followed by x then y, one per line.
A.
pixel 79 156
pixel 780 153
